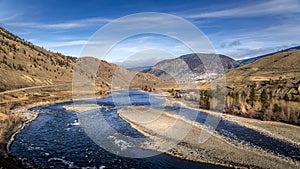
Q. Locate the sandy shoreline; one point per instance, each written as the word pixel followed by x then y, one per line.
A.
pixel 80 108
pixel 278 130
pixel 215 150
pixel 34 115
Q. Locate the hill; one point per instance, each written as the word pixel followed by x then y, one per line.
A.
pixel 253 59
pixel 23 64
pixel 111 76
pixel 188 67
pixel 279 69
pixel 268 88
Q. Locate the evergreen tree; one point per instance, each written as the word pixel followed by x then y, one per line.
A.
pixel 286 97
pixel 276 108
pixel 236 98
pixel 252 95
pixel 204 99
pixel 264 100
pixel 244 95
pixel 270 95
pixel 293 98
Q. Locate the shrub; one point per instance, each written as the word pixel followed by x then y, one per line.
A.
pixel 286 97
pixel 20 67
pixel 276 108
pixel 251 113
pixel 268 115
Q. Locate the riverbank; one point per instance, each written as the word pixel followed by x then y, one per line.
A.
pixel 22 118
pixel 28 117
pixel 278 130
pixel 159 126
pixel 14 115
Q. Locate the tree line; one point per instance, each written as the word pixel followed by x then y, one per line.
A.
pixel 252 103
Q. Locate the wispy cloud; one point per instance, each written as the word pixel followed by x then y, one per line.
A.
pixel 273 7
pixel 145 50
pixel 246 43
pixel 63 44
pixel 145 58
pixel 63 25
pixel 247 37
pixel 10 17
pixel 55 44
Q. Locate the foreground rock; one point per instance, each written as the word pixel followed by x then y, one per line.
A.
pixel 167 129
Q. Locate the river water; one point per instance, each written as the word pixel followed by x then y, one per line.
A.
pixel 57 140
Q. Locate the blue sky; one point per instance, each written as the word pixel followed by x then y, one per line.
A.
pixel 239 29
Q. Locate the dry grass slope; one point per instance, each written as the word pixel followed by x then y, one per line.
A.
pixel 23 64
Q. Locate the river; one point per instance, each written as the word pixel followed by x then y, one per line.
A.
pixel 55 139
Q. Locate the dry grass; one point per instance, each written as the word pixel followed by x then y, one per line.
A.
pixel 284 65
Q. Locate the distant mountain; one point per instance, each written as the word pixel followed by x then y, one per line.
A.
pixel 188 67
pixel 23 64
pixel 140 69
pixel 253 59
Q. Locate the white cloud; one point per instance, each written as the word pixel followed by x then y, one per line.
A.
pixel 273 7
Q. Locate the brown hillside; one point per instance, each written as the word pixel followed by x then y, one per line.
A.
pixel 280 70
pixel 23 64
pixel 111 76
